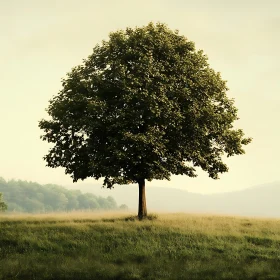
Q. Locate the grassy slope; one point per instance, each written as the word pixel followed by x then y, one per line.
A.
pixel 174 246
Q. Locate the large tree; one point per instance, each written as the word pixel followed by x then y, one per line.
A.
pixel 144 105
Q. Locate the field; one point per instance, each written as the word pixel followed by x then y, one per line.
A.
pixel 118 246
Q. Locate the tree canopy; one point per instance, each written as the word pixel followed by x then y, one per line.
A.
pixel 144 105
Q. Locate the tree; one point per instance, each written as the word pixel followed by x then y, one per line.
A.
pixel 123 207
pixel 144 105
pixel 3 205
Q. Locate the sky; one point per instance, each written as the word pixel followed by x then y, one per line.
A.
pixel 43 40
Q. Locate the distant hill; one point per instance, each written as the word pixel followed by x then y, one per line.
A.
pixel 30 197
pixel 262 200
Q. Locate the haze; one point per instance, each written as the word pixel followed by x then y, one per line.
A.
pixel 42 40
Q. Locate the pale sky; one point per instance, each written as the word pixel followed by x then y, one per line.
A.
pixel 41 40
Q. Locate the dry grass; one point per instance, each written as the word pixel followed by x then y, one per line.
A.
pixel 64 216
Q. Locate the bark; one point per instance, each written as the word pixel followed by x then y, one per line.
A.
pixel 142 207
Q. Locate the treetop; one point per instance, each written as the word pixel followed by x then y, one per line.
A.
pixel 144 105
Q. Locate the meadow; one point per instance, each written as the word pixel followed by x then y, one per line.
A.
pixel 89 245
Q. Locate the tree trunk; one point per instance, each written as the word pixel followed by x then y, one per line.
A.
pixel 142 207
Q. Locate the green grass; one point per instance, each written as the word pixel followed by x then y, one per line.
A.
pixel 118 246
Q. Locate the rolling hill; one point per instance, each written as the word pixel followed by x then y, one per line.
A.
pixel 261 200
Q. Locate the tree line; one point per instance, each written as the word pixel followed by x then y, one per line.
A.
pixel 31 197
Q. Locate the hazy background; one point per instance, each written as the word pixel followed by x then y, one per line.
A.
pixel 42 40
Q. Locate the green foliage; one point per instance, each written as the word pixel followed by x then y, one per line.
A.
pixel 170 247
pixel 144 105
pixel 3 205
pixel 22 196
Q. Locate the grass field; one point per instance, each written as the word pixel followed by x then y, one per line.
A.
pixel 118 246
